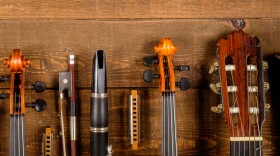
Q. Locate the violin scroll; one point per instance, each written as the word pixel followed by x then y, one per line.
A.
pixel 165 51
pixel 16 62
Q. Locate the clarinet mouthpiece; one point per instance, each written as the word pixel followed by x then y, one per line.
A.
pixel 99 73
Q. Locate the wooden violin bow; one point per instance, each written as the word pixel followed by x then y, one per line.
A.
pixel 73 127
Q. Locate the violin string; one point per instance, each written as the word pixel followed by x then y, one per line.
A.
pixel 163 125
pixel 175 125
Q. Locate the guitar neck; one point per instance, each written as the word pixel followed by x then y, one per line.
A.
pixel 246 148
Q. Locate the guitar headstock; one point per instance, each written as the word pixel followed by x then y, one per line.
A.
pixel 165 51
pixel 242 87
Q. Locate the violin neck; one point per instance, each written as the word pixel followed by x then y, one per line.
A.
pixel 248 148
pixel 169 133
pixel 17 135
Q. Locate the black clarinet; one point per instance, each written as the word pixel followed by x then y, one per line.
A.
pixel 99 107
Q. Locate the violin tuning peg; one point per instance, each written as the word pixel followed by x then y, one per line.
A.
pixel 149 76
pixel 4 96
pixel 267 107
pixel 266 86
pixel 182 68
pixel 184 84
pixel 213 67
pixel 265 65
pixel 39 105
pixel 39 86
pixel 149 61
pixel 216 88
pixel 217 109
pixel 4 78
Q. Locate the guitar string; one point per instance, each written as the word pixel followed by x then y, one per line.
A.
pixel 239 115
pixel 232 127
pixel 257 120
pixel 249 102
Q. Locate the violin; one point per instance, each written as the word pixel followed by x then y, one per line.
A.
pixel 17 65
pixel 242 88
pixel 165 51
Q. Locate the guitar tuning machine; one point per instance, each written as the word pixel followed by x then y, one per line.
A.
pixel 265 65
pixel 267 107
pixel 266 86
pixel 214 67
pixel 217 109
pixel 150 60
pixel 216 88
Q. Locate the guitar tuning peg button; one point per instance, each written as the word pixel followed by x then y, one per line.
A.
pixel 216 88
pixel 149 76
pixel 265 65
pixel 184 84
pixel 266 86
pixel 182 68
pixel 217 109
pixel 213 67
pixel 39 105
pixel 267 107
pixel 149 61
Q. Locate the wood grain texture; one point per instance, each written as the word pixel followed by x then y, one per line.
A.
pixel 95 9
pixel 46 44
pixel 200 132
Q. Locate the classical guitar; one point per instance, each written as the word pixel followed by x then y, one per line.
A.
pixel 165 51
pixel 242 88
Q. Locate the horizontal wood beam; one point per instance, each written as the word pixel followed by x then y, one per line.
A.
pixel 95 9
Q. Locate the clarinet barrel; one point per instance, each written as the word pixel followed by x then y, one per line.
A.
pixel 99 107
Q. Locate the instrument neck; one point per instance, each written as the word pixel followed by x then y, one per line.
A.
pixel 169 133
pixel 246 148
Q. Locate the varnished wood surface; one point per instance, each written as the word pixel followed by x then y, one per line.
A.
pixel 96 9
pixel 45 43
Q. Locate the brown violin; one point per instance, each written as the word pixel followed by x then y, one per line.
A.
pixel 17 65
pixel 242 87
pixel 165 51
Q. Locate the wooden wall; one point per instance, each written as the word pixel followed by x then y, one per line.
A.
pixel 127 31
